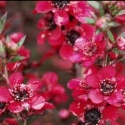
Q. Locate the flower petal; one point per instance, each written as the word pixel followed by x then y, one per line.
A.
pixel 81 42
pixel 110 113
pixel 77 57
pixel 61 17
pixel 89 30
pixel 116 99
pixel 92 80
pixel 35 84
pixel 4 94
pixel 15 78
pixel 66 51
pixel 74 83
pixel 95 97
pixel 43 7
pixel 37 102
pixel 55 34
pixel 77 108
pixel 106 72
pixel 15 107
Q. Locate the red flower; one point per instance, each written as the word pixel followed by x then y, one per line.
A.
pixel 80 90
pixel 61 9
pixel 52 90
pixel 91 114
pixel 49 29
pixel 105 85
pixel 24 96
pixel 88 47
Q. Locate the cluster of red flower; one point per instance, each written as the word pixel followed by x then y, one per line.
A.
pixel 23 97
pixel 83 32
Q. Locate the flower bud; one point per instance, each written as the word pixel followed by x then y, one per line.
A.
pixel 101 23
pixel 121 43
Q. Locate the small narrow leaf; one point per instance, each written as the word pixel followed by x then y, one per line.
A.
pixel 17 58
pixel 113 24
pixel 110 35
pixel 89 20
pixel 20 43
pixel 97 6
pixel 2 50
pixel 120 13
pixel 3 21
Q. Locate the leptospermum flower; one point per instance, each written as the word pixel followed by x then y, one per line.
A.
pixel 49 30
pixel 92 114
pixel 24 96
pixel 62 8
pixel 52 90
pixel 106 86
pixel 89 47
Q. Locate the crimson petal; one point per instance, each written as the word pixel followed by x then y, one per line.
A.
pixel 15 78
pixel 43 7
pixel 66 51
pixel 96 97
pixel 15 107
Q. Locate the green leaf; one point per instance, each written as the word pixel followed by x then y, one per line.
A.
pixel 20 43
pixel 3 21
pixel 110 35
pixel 97 6
pixel 89 20
pixel 2 50
pixel 120 13
pixel 32 119
pixel 17 58
pixel 113 24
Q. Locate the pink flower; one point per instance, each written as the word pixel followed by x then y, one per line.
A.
pixel 92 114
pixel 106 86
pixel 52 90
pixel 88 47
pixel 24 96
pixel 61 9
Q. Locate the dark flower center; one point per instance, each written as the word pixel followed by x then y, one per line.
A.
pixel 2 105
pixel 71 18
pixel 90 49
pixel 50 21
pixel 21 93
pixel 72 35
pixel 107 87
pixel 92 116
pixel 60 4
